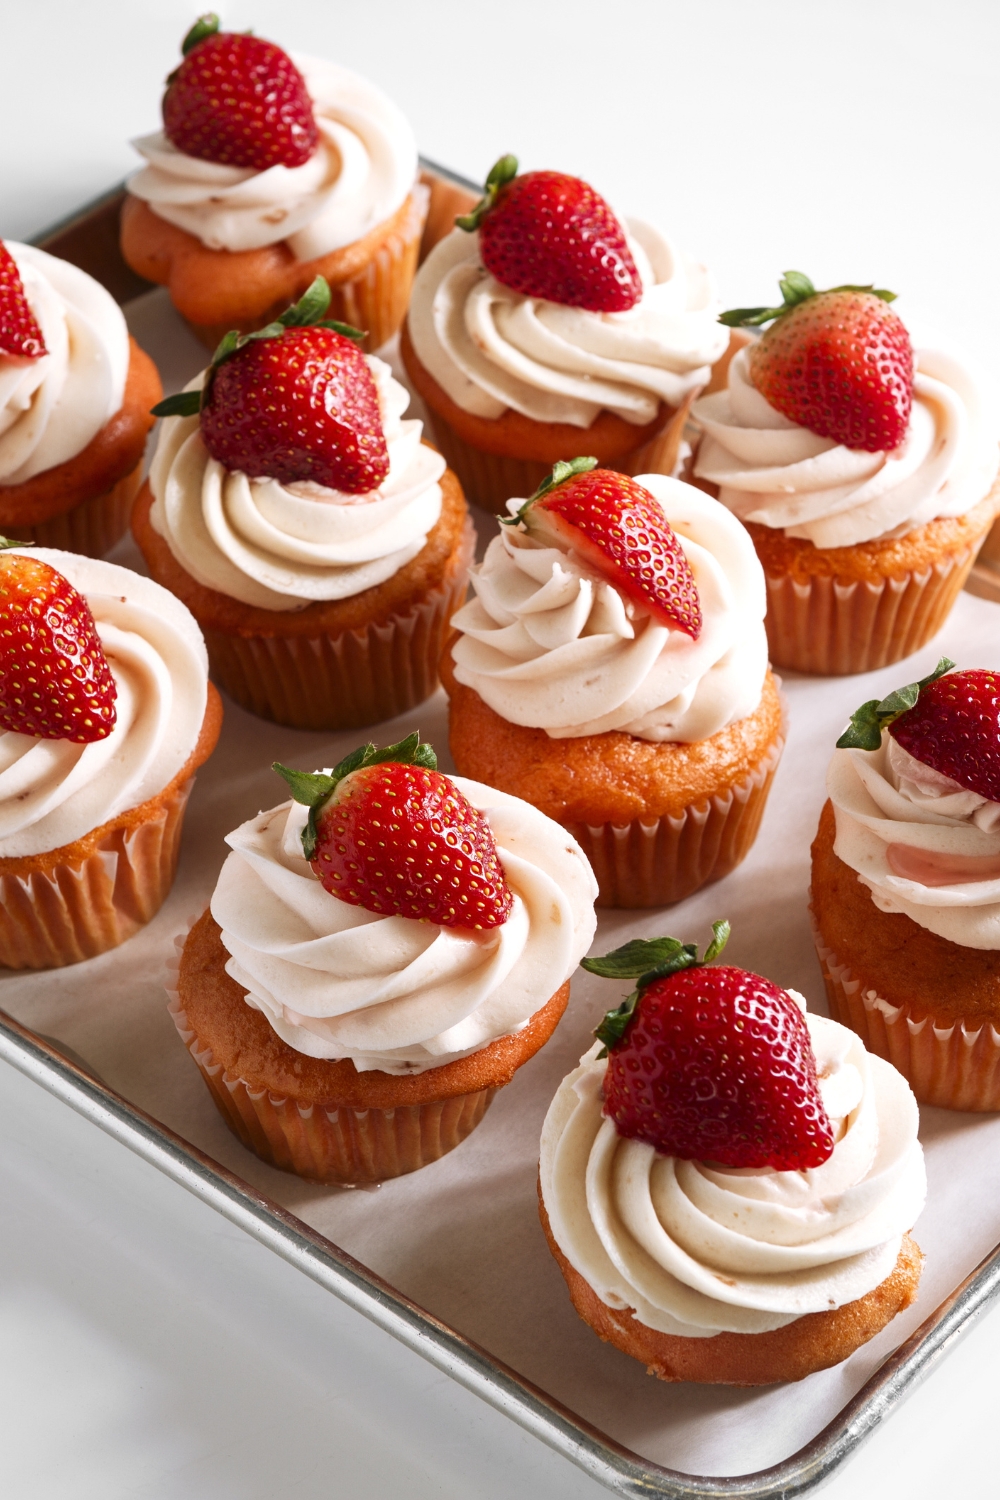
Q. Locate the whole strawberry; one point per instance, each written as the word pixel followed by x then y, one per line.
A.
pixel 710 1064
pixel 837 362
pixel 55 682
pixel 545 234
pixel 239 101
pixel 618 528
pixel 20 335
pixel 388 832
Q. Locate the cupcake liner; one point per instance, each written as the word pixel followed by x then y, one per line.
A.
pixel 953 1066
pixel 348 680
pixel 92 527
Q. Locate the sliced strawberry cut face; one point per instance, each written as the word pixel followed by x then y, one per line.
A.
pixel 20 335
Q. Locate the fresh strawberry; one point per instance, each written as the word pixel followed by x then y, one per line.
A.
pixel 710 1064
pixel 837 362
pixel 545 234
pixel 239 101
pixel 55 682
pixel 619 529
pixel 388 832
pixel 20 335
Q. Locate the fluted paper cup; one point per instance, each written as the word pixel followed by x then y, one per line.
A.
pixel 91 527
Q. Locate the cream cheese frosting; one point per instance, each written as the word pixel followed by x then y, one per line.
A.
pixel 52 407
pixel 547 642
pixel 337 981
pixel 774 472
pixel 492 349
pixel 282 546
pixel 362 171
pixel 52 792
pixel 696 1249
pixel 920 842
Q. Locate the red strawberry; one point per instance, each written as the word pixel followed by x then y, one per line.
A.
pixel 837 362
pixel 238 100
pixel 619 528
pixel 545 234
pixel 388 832
pixel 55 681
pixel 20 335
pixel 711 1064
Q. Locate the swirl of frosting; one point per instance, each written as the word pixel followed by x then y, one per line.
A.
pixel 547 642
pixel 491 348
pixel 697 1249
pixel 337 981
pixel 920 842
pixel 360 173
pixel 281 546
pixel 772 471
pixel 52 792
pixel 51 408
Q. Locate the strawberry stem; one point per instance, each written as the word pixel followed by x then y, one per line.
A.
pixel 868 722
pixel 6 543
pixel 647 959
pixel 795 287
pixel 206 25
pixel 561 471
pixel 501 172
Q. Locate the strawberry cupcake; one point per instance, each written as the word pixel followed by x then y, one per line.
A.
pixel 545 325
pixel 269 172
pixel 106 713
pixel 906 884
pixel 866 475
pixel 75 393
pixel 353 1024
pixel 728 1183
pixel 321 545
pixel 612 670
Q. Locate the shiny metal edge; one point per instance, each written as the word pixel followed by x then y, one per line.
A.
pixel 622 1471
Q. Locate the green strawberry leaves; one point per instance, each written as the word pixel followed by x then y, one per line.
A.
pixel 867 723
pixel 501 172
pixel 647 960
pixel 561 471
pixel 795 287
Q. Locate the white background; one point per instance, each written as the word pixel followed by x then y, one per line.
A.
pixel 147 1348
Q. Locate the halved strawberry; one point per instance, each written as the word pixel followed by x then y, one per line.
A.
pixel 239 101
pixel 710 1064
pixel 837 362
pixel 20 335
pixel 387 831
pixel 618 528
pixel 545 234
pixel 55 682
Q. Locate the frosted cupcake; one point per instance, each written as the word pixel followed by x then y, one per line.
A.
pixel 529 342
pixel 269 172
pixel 612 669
pixel 906 884
pixel 867 499
pixel 729 1183
pixel 106 714
pixel 75 393
pixel 354 1024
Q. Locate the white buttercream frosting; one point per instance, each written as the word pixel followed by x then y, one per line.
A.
pixel 774 472
pixel 336 981
pixel 361 172
pixel 282 546
pixel 547 642
pixel 895 814
pixel 52 407
pixel 52 792
pixel 492 349
pixel 697 1249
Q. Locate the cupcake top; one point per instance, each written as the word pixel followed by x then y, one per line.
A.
pixel 54 789
pixel 53 402
pixel 559 638
pixel 395 976
pixel 499 334
pixel 345 161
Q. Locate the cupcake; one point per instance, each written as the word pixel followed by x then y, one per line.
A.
pixel 612 670
pixel 320 545
pixel 867 494
pixel 728 1183
pixel 906 884
pixel 529 341
pixel 354 1024
pixel 75 393
pixel 106 714
pixel 267 173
